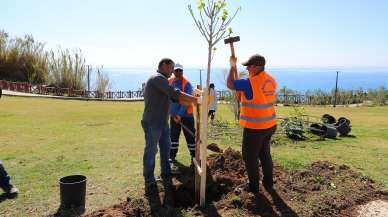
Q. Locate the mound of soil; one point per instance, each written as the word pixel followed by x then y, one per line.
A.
pixel 322 189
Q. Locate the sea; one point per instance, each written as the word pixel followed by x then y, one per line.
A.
pixel 298 79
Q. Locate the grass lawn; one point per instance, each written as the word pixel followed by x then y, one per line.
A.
pixel 42 140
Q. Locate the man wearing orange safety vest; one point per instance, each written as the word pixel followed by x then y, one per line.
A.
pixel 257 117
pixel 181 114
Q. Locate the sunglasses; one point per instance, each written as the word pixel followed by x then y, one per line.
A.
pixel 178 70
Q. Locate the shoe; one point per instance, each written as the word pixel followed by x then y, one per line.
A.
pixel 270 189
pixel 151 188
pixel 13 190
pixel 245 187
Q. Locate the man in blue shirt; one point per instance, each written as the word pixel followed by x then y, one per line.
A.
pixel 257 96
pixel 181 114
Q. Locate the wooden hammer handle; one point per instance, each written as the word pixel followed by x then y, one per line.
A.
pixel 232 49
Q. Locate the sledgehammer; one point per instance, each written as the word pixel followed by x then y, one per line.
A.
pixel 230 41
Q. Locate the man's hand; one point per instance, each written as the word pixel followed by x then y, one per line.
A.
pixel 197 92
pixel 233 62
pixel 187 99
pixel 177 119
pixel 232 73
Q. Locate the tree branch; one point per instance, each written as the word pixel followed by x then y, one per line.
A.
pixel 219 38
pixel 197 23
pixel 220 29
pixel 203 22
pixel 232 17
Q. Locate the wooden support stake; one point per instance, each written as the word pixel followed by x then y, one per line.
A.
pixel 197 167
pixel 203 154
pixel 197 150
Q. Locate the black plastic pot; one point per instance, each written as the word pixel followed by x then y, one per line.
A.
pixel 295 132
pixel 341 119
pixel 318 129
pixel 331 132
pixel 343 126
pixel 328 119
pixel 323 130
pixel 73 191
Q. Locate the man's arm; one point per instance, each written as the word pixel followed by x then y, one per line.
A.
pixel 232 73
pixel 186 99
pixel 175 94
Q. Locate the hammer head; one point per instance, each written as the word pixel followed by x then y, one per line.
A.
pixel 232 40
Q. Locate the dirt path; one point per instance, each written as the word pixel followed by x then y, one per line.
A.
pixel 376 208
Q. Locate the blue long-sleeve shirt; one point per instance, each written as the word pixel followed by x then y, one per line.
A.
pixel 244 85
pixel 176 108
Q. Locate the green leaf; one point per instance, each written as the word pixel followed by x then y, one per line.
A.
pixel 220 4
pixel 201 4
pixel 225 14
pixel 230 30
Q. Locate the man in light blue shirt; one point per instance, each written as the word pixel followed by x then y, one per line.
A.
pixel 181 114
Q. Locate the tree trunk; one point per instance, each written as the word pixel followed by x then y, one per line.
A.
pixel 209 61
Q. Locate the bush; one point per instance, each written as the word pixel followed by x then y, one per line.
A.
pixel 67 69
pixel 103 83
pixel 22 59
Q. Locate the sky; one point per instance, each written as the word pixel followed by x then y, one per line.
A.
pixel 129 33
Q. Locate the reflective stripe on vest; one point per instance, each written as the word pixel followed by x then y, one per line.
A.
pixel 253 105
pixel 184 83
pixel 259 112
pixel 259 120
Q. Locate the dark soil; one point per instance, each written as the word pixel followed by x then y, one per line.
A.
pixel 322 189
pixel 214 147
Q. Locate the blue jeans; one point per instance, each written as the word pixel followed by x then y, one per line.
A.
pixel 4 179
pixel 156 133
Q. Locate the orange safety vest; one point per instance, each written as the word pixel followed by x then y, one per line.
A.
pixel 184 83
pixel 259 112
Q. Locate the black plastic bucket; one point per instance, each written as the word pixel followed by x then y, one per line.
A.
pixel 331 132
pixel 73 191
pixel 318 129
pixel 343 126
pixel 328 119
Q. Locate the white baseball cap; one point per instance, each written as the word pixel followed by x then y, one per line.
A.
pixel 178 66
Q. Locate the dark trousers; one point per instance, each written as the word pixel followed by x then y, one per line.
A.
pixel 4 179
pixel 211 114
pixel 175 129
pixel 255 146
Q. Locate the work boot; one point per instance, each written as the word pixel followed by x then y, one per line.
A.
pixel 12 191
pixel 150 188
pixel 245 187
pixel 268 187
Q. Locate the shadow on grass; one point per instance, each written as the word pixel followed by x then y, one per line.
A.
pixel 68 212
pixel 281 206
